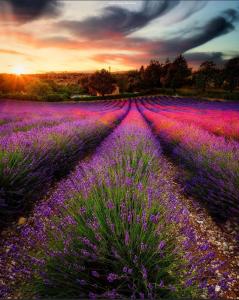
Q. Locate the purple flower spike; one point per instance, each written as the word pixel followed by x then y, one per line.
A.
pixel 141 295
pixel 144 272
pixel 125 269
pixel 92 295
pixel 154 218
pixel 82 210
pixel 110 205
pixel 130 271
pixel 112 277
pixel 81 281
pixel 127 239
pixel 162 245
pixel 128 181
pixel 95 274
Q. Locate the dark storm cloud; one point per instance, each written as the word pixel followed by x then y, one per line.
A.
pixel 214 28
pixel 112 31
pixel 27 10
pixel 198 57
pixel 232 13
pixel 119 21
pixel 116 23
pixel 158 48
pixel 163 48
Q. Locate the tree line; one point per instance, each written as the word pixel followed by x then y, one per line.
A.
pixel 176 74
pixel 172 74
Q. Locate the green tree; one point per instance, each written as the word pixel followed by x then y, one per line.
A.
pixel 165 69
pixel 205 75
pixel 142 81
pixel 219 78
pixel 152 75
pixel 102 82
pixel 122 81
pixel 178 73
pixel 134 82
pixel 84 83
pixel 231 73
pixel 39 88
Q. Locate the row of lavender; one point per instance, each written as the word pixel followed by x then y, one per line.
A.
pixel 26 125
pixel 13 120
pixel 213 161
pixel 114 229
pixel 221 119
pixel 31 160
pixel 11 110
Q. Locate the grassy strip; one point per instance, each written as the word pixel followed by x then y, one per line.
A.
pixel 197 94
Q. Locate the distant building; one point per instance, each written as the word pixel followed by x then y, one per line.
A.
pixel 116 91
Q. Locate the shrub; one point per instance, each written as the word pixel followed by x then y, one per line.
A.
pixel 54 97
pixel 38 88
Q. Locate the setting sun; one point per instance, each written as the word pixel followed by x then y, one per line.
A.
pixel 18 70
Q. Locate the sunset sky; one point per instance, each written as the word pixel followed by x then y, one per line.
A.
pixel 48 35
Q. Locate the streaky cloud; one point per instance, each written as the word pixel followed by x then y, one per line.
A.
pixel 194 58
pixel 118 21
pixel 116 24
pixel 217 26
pixel 12 52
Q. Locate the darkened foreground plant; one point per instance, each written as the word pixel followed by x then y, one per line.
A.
pixel 30 161
pixel 115 229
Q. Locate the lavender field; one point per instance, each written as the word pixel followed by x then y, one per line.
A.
pixel 124 199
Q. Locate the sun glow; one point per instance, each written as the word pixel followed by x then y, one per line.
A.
pixel 18 70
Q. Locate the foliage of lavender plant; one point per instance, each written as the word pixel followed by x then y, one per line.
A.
pixel 115 229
